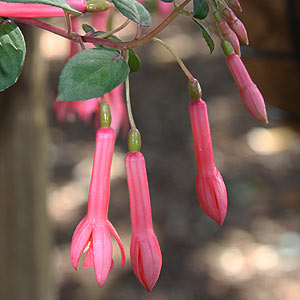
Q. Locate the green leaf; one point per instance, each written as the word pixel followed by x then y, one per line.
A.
pixel 91 73
pixel 134 11
pixel 168 1
pixel 206 35
pixel 201 9
pixel 134 61
pixel 58 3
pixel 12 54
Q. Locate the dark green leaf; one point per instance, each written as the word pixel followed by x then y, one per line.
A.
pixel 58 3
pixel 201 9
pixel 134 11
pixel 88 28
pixel 12 54
pixel 206 35
pixel 91 73
pixel 134 61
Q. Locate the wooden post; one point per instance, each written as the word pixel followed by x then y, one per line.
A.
pixel 24 228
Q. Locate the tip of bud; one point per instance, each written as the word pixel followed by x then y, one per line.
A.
pixel 212 195
pixel 254 102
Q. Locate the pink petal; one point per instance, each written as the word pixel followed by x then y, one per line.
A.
pixel 102 253
pixel 113 231
pixel 89 258
pixel 80 241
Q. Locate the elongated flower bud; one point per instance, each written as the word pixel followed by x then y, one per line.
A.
pixel 36 10
pixel 227 33
pixel 145 252
pixel 210 188
pixel 250 94
pixel 236 25
pixel 235 4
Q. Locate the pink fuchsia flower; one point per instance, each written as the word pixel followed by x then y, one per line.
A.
pixel 210 188
pixel 145 252
pixel 95 229
pixel 250 94
pixel 35 10
pixel 228 33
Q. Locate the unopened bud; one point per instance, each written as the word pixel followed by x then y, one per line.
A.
pixel 134 140
pixel 97 5
pixel 105 115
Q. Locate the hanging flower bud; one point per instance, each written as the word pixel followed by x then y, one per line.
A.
pixel 235 4
pixel 145 252
pixel 95 229
pixel 36 10
pixel 236 24
pixel 210 188
pixel 227 33
pixel 250 94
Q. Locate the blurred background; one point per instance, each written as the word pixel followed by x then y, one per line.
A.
pixel 45 170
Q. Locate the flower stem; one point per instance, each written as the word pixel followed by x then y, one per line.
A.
pixel 113 44
pixel 111 32
pixel 127 90
pixel 179 61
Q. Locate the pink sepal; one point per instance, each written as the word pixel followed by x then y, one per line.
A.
pixel 212 195
pixel 146 258
pixel 254 102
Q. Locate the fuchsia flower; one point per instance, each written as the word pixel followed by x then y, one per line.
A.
pixel 35 10
pixel 95 229
pixel 250 94
pixel 210 188
pixel 145 252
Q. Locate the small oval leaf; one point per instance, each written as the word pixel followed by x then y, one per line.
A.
pixel 134 11
pixel 90 74
pixel 201 9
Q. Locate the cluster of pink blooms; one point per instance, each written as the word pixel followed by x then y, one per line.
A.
pixel 93 232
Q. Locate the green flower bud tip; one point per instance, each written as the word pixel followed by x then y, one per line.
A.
pixel 195 89
pixel 105 115
pixel 227 48
pixel 97 5
pixel 217 17
pixel 134 140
